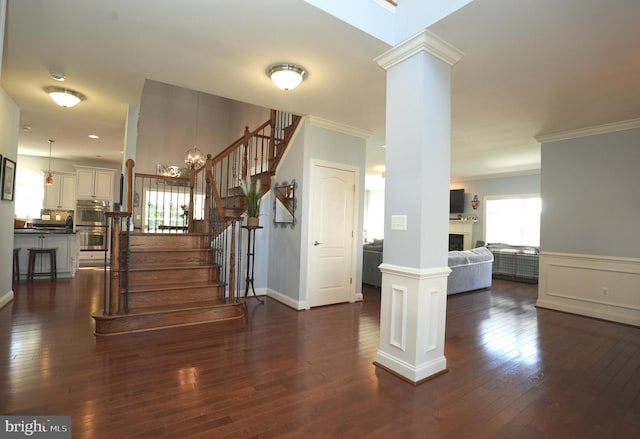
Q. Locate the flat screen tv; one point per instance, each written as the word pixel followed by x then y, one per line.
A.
pixel 456 201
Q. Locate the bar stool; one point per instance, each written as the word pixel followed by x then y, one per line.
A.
pixel 16 264
pixel 53 269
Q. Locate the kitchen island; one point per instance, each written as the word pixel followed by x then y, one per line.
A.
pixel 63 240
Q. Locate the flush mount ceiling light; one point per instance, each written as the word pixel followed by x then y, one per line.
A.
pixel 64 97
pixel 286 76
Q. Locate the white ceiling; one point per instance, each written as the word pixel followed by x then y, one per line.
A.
pixel 529 68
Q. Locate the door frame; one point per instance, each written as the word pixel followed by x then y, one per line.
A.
pixel 313 164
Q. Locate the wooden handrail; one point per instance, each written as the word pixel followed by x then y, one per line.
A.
pixel 220 156
pixel 163 177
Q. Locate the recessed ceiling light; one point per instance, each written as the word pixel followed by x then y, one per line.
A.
pixel 56 76
pixel 94 136
pixel 26 128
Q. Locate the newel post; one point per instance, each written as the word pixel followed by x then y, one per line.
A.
pixel 208 178
pixel 130 164
pixel 114 280
pixel 245 156
pixel 232 264
pixel 192 183
pixel 272 137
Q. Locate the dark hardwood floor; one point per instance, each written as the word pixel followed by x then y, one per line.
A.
pixel 514 371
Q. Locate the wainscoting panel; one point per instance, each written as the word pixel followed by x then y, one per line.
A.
pixel 603 287
pixel 398 333
pixel 434 309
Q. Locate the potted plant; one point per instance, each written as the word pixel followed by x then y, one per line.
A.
pixel 251 190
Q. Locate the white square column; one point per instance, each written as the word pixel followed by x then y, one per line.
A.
pixel 417 156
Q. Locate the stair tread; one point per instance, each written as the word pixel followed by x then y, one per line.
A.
pixel 140 233
pixel 168 249
pixel 150 287
pixel 179 306
pixel 156 309
pixel 174 266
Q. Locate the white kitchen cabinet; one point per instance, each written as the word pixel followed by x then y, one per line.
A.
pixel 66 253
pixel 62 193
pixel 95 183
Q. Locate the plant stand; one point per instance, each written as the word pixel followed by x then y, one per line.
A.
pixel 251 254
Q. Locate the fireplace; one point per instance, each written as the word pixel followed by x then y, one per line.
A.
pixel 456 242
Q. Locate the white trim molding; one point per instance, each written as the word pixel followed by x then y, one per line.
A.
pixel 412 321
pixel 415 273
pixel 422 41
pixel 337 127
pixel 298 305
pixel 589 131
pixel 6 299
pixel 602 287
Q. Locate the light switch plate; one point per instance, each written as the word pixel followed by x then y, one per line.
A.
pixel 398 222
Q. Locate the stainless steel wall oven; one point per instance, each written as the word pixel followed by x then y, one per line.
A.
pixel 91 225
pixel 92 238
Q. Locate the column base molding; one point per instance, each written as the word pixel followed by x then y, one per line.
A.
pixel 412 322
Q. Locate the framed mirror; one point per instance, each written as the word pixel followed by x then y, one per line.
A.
pixel 284 204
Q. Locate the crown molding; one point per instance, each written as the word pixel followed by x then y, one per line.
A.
pixel 422 41
pixel 338 127
pixel 589 131
pixel 523 173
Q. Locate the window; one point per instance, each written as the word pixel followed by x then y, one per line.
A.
pixel 167 210
pixel 29 192
pixel 514 221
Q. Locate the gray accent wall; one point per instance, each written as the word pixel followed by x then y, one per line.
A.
pixel 167 124
pixel 285 243
pixel 288 247
pixel 590 202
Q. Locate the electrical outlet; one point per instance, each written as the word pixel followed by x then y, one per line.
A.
pixel 605 291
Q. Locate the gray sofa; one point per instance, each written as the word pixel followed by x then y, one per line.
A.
pixel 470 270
pixel 371 260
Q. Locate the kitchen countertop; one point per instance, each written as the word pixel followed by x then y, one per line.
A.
pixel 43 232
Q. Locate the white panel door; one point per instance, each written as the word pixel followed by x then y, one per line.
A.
pixel 332 225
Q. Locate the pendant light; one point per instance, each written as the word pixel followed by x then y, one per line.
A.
pixel 49 178
pixel 194 158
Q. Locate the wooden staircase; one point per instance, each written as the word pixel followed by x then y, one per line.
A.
pixel 172 282
pixel 165 280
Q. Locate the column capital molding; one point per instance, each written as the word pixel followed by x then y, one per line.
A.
pixel 415 273
pixel 422 41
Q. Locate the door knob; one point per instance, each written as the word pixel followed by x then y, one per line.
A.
pixel 316 243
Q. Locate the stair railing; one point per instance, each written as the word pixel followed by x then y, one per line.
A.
pixel 116 291
pixel 256 154
pixel 212 197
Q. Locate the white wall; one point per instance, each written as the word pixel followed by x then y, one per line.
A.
pixel 590 242
pixel 9 123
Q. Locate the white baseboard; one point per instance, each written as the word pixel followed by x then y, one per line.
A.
pixel 286 300
pixel 6 298
pixel 602 287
